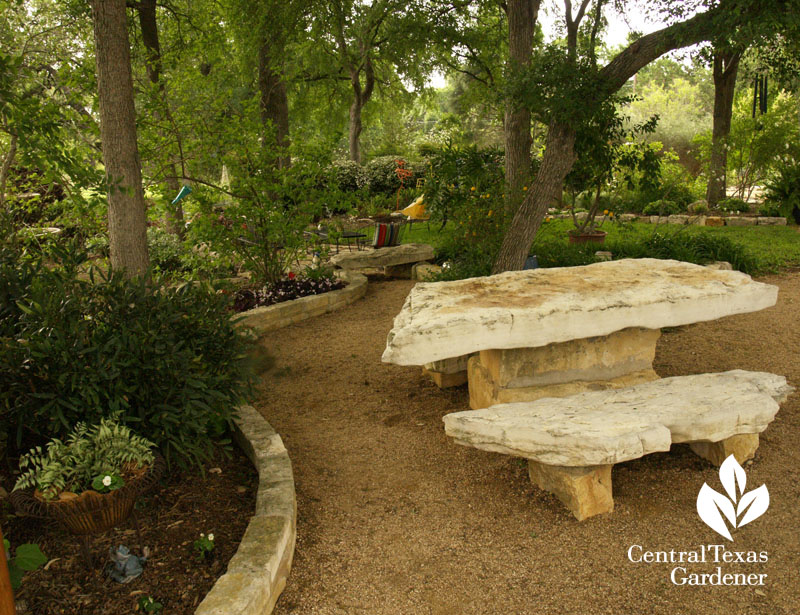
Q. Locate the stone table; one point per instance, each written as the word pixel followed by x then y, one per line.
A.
pixel 557 332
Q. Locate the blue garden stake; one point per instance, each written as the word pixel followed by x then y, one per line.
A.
pixel 185 191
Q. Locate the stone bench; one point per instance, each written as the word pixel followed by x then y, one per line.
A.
pixel 571 443
pixel 396 261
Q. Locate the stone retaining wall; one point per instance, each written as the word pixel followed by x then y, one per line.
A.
pixel 258 571
pixel 283 314
pixel 694 219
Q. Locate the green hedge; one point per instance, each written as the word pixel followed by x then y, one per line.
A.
pixel 169 360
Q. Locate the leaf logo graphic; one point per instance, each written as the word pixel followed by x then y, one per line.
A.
pixel 737 508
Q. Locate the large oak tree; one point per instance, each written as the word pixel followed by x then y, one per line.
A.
pixel 591 87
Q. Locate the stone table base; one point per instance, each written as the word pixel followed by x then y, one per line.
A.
pixel 622 359
pixel 448 372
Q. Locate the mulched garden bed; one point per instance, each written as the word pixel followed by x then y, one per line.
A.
pixel 291 287
pixel 171 518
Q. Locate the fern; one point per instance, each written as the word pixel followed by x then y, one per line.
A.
pixel 89 451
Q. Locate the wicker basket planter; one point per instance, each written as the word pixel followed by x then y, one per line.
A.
pixel 90 512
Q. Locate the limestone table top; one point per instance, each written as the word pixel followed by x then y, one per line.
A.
pixel 525 309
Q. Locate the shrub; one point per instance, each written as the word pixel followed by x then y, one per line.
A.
pixel 168 360
pixel 696 247
pixel 783 192
pixel 381 175
pixel 347 176
pixel 165 250
pixel 662 208
pixel 733 205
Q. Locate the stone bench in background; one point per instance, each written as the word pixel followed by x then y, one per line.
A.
pixel 571 443
pixel 396 261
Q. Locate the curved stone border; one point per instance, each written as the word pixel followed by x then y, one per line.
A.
pixel 286 313
pixel 257 573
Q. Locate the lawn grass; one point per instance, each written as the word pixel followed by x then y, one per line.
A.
pixel 770 247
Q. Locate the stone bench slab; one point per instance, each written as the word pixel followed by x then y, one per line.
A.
pixel 527 309
pixel 607 427
pixel 391 256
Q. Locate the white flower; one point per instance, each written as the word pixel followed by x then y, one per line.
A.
pixel 211 537
pixel 106 481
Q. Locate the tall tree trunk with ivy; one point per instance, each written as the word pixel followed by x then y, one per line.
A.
pixel 522 15
pixel 726 67
pixel 149 25
pixel 127 222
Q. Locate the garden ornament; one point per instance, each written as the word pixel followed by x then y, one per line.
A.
pixel 185 191
pixel 126 566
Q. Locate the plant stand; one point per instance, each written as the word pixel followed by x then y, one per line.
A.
pixel 91 512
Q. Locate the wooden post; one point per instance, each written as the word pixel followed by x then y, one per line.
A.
pixel 6 593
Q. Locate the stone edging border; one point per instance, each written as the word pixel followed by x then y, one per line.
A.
pixel 283 314
pixel 693 219
pixel 257 572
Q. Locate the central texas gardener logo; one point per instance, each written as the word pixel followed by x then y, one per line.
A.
pixel 738 508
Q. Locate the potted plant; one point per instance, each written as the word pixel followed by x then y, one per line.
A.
pixel 611 156
pixel 89 481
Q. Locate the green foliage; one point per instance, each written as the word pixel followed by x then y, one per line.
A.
pixel 683 106
pixel 758 147
pixel 782 195
pixel 27 558
pixel 167 359
pixel 662 207
pixel 611 155
pixel 698 246
pixel 381 175
pixel 348 176
pixel 733 205
pixel 165 250
pixel 87 454
pixel 147 604
pixel 204 546
pixel 465 186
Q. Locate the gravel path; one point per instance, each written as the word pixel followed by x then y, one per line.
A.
pixel 393 518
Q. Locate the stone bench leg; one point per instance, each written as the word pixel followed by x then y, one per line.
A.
pixel 742 447
pixel 585 491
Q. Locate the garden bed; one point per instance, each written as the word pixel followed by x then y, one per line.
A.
pixel 290 288
pixel 285 313
pixel 171 518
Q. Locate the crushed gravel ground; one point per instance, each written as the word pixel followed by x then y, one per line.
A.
pixel 394 518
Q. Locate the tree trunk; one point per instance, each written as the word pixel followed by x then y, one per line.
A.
pixel 149 26
pixel 354 131
pixel 6 168
pixel 127 224
pixel 559 156
pixel 726 67
pixel 522 16
pixel 274 103
pixel 360 98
